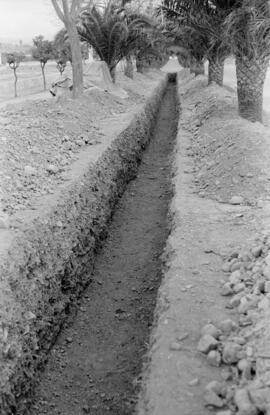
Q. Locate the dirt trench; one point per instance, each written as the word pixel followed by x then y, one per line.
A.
pixel 96 362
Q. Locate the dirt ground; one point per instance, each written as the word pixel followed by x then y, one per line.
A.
pixel 40 140
pixel 219 156
pixel 96 364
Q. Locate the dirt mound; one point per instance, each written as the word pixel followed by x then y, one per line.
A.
pixel 230 154
pixel 39 140
pixel 98 74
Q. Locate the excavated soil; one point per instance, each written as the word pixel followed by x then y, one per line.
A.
pixel 96 362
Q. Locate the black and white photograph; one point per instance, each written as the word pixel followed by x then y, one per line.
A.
pixel 134 207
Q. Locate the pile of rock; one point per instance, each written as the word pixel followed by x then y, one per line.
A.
pixel 242 347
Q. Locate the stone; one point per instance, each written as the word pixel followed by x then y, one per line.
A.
pixel 235 300
pixel 226 267
pixel 227 326
pixel 214 394
pixel 236 266
pixel 239 287
pixel 264 304
pixel 236 200
pixel 231 352
pixel 235 277
pixel 226 374
pixel 212 399
pixel 246 305
pixel 266 271
pixel 226 290
pixel 52 169
pixel 214 358
pixel 244 366
pixel 243 403
pixel 211 330
pixel 257 251
pixel 267 286
pixel 260 397
pixel 194 382
pixel 30 171
pixel 207 343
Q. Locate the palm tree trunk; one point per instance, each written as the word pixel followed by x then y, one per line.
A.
pixel 216 71
pixel 129 67
pixel 140 63
pixel 250 83
pixel 113 73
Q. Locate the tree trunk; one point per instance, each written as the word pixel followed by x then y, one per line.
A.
pixel 43 75
pixel 197 67
pixel 113 73
pixel 140 65
pixel 15 82
pixel 250 83
pixel 129 67
pixel 77 67
pixel 216 71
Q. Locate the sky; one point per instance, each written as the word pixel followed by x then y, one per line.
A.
pixel 25 19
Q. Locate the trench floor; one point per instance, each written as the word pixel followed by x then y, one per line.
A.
pixel 96 363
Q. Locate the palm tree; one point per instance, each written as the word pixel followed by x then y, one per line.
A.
pixel 111 31
pixel 248 31
pixel 203 21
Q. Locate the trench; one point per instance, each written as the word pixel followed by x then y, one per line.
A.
pixel 96 362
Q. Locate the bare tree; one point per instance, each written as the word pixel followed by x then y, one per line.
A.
pixel 68 11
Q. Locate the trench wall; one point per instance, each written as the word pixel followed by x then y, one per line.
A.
pixel 49 264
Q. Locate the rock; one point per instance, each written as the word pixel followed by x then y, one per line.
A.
pixel 264 304
pixel 226 374
pixel 214 394
pixel 236 266
pixel 226 290
pixel 236 200
pixel 214 358
pixel 235 277
pixel 227 412
pixel 207 343
pixel 266 271
pixel 239 287
pixel 267 287
pixel 211 330
pixel 52 169
pixel 235 300
pixel 261 286
pixel 194 382
pixel 246 305
pixel 212 399
pixel 245 367
pixel 239 340
pixel 227 326
pixel 257 251
pixel 231 352
pixel 260 397
pixel 226 267
pixel 243 403
pixel 30 171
